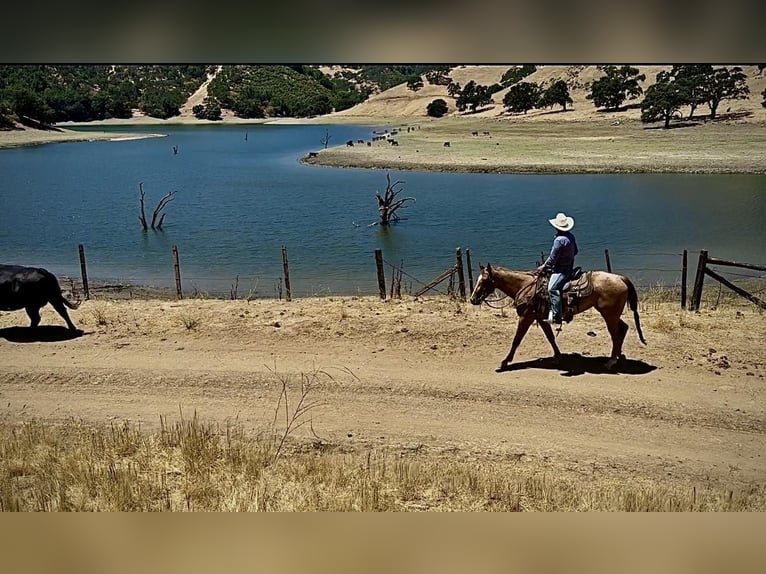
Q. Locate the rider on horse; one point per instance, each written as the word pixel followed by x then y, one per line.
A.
pixel 560 263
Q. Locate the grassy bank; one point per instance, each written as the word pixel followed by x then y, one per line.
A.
pixel 191 465
pixel 518 146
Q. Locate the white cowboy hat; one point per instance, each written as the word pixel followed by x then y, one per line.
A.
pixel 562 222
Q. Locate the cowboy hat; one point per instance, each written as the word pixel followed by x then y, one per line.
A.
pixel 562 222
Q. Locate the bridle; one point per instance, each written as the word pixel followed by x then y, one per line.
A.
pixel 489 281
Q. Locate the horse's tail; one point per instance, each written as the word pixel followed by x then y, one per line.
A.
pixel 633 303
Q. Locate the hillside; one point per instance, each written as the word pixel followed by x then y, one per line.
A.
pixel 400 101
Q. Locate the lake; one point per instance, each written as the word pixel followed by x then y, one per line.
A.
pixel 242 194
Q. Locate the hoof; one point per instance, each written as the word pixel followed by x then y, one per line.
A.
pixel 611 364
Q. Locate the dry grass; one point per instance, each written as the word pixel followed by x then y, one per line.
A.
pixel 562 147
pixel 190 465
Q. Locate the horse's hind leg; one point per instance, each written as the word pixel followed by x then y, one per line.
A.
pixel 521 330
pixel 617 331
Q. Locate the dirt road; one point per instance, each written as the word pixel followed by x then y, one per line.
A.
pixel 416 374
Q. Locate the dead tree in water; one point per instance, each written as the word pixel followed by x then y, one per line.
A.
pixel 157 210
pixel 326 139
pixel 388 204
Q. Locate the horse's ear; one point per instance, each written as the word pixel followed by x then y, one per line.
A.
pixel 481 266
pixel 489 269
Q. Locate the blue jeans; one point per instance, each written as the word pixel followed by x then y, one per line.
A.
pixel 555 283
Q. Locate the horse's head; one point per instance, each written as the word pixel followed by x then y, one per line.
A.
pixel 485 285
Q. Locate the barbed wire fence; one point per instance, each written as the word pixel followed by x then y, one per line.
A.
pixel 452 281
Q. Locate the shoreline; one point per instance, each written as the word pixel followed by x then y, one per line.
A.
pixel 504 147
pixel 10 139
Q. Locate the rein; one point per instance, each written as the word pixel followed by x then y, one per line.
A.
pixel 504 296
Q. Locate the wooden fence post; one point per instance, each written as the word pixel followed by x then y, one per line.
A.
pixel 286 270
pixel 683 281
pixel 700 278
pixel 608 262
pixel 177 271
pixel 84 272
pixel 460 277
pixel 393 281
pixel 470 271
pixel 381 276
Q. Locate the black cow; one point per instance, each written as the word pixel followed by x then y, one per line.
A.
pixel 32 288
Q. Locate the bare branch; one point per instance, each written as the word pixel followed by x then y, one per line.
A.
pixel 142 215
pixel 160 206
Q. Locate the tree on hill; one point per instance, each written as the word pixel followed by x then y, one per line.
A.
pixel 522 97
pixel 556 94
pixel 298 91
pixel 454 89
pixel 439 76
pixel 414 82
pixel 386 77
pixel 516 74
pixel 161 103
pixel 209 109
pixel 618 85
pixel 437 108
pixel 663 99
pixel 763 95
pixel 473 95
pixel 725 84
pixel 692 79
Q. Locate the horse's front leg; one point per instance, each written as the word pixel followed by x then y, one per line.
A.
pixel 548 330
pixel 521 330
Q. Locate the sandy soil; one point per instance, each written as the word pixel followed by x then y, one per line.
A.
pixel 417 374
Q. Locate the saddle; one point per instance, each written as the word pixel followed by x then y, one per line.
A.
pixel 534 297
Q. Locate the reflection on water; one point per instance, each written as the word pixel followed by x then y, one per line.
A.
pixel 240 200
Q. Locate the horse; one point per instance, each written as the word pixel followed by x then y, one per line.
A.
pixel 610 294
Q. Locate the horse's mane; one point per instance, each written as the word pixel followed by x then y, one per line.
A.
pixel 520 271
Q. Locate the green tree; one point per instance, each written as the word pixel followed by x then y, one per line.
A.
pixel 522 97
pixel 26 102
pixel 556 94
pixel 516 74
pixel 454 89
pixel 6 114
pixel 617 85
pixel 161 103
pixel 209 109
pixel 437 108
pixel 663 99
pixel 763 95
pixel 439 76
pixel 414 82
pixel 725 84
pixel 692 79
pixel 473 95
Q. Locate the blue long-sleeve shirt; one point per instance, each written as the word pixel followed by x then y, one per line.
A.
pixel 561 259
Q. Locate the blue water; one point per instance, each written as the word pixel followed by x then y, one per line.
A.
pixel 238 201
